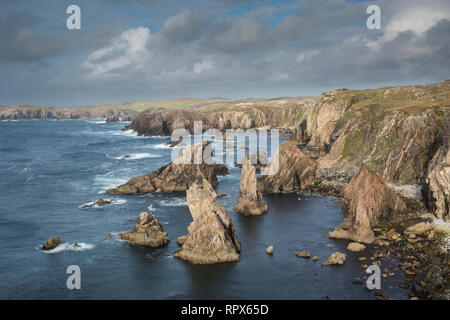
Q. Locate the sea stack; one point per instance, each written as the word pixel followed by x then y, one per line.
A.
pixel 289 169
pixel 367 200
pixel 179 175
pixel 250 201
pixel 147 232
pixel 211 236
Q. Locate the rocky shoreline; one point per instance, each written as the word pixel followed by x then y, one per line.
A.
pixel 353 144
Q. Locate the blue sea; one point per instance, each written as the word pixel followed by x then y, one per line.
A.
pixel 50 169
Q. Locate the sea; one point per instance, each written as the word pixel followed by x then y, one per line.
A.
pixel 52 171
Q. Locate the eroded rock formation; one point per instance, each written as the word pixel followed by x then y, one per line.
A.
pixel 438 178
pixel 367 200
pixel 250 200
pixel 147 232
pixel 178 175
pixel 211 235
pixel 289 169
pixel 162 122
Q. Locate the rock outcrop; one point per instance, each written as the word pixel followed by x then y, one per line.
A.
pixel 113 118
pixel 337 258
pixel 289 169
pixel 162 122
pixel 211 236
pixel 178 175
pixel 250 200
pixel 257 159
pixel 437 189
pixel 51 243
pixel 147 232
pixel 367 200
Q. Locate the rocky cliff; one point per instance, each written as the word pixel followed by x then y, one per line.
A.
pixel 162 122
pixel 289 169
pixel 367 200
pixel 52 113
pixel 211 236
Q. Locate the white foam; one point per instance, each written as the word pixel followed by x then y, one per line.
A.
pixel 69 247
pixel 135 156
pixel 160 146
pixel 151 208
pixel 173 203
pixel 93 204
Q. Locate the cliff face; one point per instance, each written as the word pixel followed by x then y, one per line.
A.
pixel 394 131
pixel 162 122
pixel 437 191
pixel 52 113
pixel 289 169
pixel 367 200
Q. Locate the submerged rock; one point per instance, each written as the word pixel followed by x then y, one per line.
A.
pixel 148 232
pixel 367 200
pixel 211 235
pixel 51 243
pixel 289 169
pixel 250 200
pixel 178 175
pixel 173 144
pixel 335 258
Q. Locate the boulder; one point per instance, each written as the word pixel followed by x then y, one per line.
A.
pixel 303 254
pixel 181 240
pixel 211 235
pixel 367 200
pixel 102 202
pixel 269 250
pixel 355 246
pixel 419 228
pixel 335 258
pixel 148 232
pixel 250 200
pixel 178 175
pixel 289 169
pixel 51 243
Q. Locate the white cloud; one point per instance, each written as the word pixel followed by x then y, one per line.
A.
pixel 199 67
pixel 128 50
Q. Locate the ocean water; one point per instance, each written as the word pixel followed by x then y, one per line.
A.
pixel 49 169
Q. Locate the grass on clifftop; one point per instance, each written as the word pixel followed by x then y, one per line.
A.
pixel 410 99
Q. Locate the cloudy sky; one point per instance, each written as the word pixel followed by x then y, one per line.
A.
pixel 152 49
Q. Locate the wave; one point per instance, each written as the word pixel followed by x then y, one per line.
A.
pixel 108 181
pixel 173 203
pixel 152 209
pixel 69 247
pixel 93 204
pixel 160 146
pixel 135 156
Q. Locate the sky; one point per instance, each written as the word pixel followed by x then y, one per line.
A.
pixel 130 50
